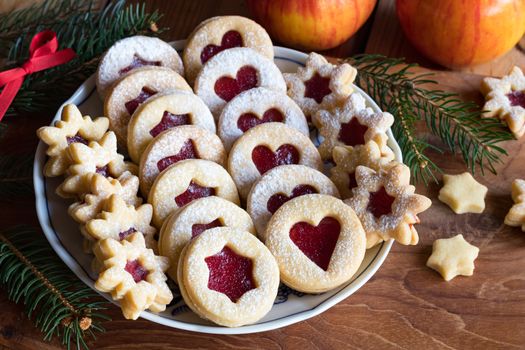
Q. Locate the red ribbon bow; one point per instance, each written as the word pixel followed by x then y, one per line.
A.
pixel 43 54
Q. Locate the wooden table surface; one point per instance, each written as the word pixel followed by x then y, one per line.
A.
pixel 405 305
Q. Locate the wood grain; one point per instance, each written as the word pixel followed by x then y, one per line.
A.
pixel 405 305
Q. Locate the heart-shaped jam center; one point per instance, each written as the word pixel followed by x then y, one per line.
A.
pixel 194 191
pixel 138 62
pixel 352 133
pixel 317 87
pixel 380 203
pixel 317 242
pixel 278 199
pixel 230 39
pixel 136 270
pixel 197 229
pixel 187 151
pixel 227 87
pixel 144 94
pixel 230 274
pixel 248 120
pixel 103 170
pixel 76 139
pixel 517 98
pixel 264 159
pixel 122 235
pixel 168 121
pixel 352 182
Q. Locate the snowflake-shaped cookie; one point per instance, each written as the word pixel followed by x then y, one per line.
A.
pixel 100 189
pixel 386 203
pixel 505 99
pixel 118 220
pixel 352 124
pixel 320 84
pixel 452 257
pixel 72 128
pixel 133 274
pixel 516 214
pixel 348 158
pixel 98 157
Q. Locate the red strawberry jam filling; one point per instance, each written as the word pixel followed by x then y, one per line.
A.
pixel 517 98
pixel 278 199
pixel 194 191
pixel 352 133
pixel 187 151
pixel 248 120
pixel 168 121
pixel 137 63
pixel 264 159
pixel 103 170
pixel 145 93
pixel 317 87
pixel 122 235
pixel 75 139
pixel 317 242
pixel 230 274
pixel 380 203
pixel 227 87
pixel 352 182
pixel 197 229
pixel 230 39
pixel 135 269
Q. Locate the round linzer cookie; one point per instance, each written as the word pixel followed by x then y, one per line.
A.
pixel 280 185
pixel 174 145
pixel 318 242
pixel 163 111
pixel 130 91
pixel 228 276
pixel 267 146
pixel 135 52
pixel 187 181
pixel 258 106
pixel 233 71
pixel 195 218
pixel 221 33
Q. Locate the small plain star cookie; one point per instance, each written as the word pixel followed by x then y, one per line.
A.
pixel 505 99
pixel 320 84
pixel 71 128
pixel 386 204
pixel 463 194
pixel 516 214
pixel 452 257
pixel 133 275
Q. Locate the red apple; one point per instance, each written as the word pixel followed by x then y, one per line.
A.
pixel 463 33
pixel 311 24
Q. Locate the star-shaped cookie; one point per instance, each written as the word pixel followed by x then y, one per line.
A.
pixel 452 257
pixel 133 274
pixel 516 214
pixel 72 128
pixel 505 99
pixel 463 194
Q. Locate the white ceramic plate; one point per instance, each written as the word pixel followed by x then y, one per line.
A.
pixel 290 306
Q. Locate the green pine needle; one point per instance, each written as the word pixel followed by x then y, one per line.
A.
pixel 16 175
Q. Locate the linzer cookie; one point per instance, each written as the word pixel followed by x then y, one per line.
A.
pixel 281 184
pixel 174 145
pixel 195 218
pixel 258 106
pixel 221 33
pixel 266 146
pixel 318 242
pixel 233 71
pixel 135 52
pixel 163 111
pixel 187 181
pixel 130 91
pixel 228 276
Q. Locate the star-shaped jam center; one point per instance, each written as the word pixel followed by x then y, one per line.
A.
pixel 517 98
pixel 194 191
pixel 380 203
pixel 136 270
pixel 352 133
pixel 317 87
pixel 144 94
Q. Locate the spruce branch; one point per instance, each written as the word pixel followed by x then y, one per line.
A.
pixel 16 175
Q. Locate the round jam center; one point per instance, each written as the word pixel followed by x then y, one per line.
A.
pixel 264 159
pixel 317 87
pixel 278 199
pixel 230 274
pixel 248 120
pixel 230 39
pixel 517 98
pixel 380 203
pixel 122 235
pixel 352 133
pixel 227 87
pixel 168 121
pixel 194 191
pixel 197 229
pixel 138 62
pixel 317 242
pixel 75 139
pixel 136 270
pixel 187 151
pixel 144 94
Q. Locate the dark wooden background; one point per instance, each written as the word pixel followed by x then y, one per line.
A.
pixel 405 305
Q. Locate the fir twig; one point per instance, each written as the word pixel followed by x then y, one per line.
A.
pixel 15 175
pixel 60 304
